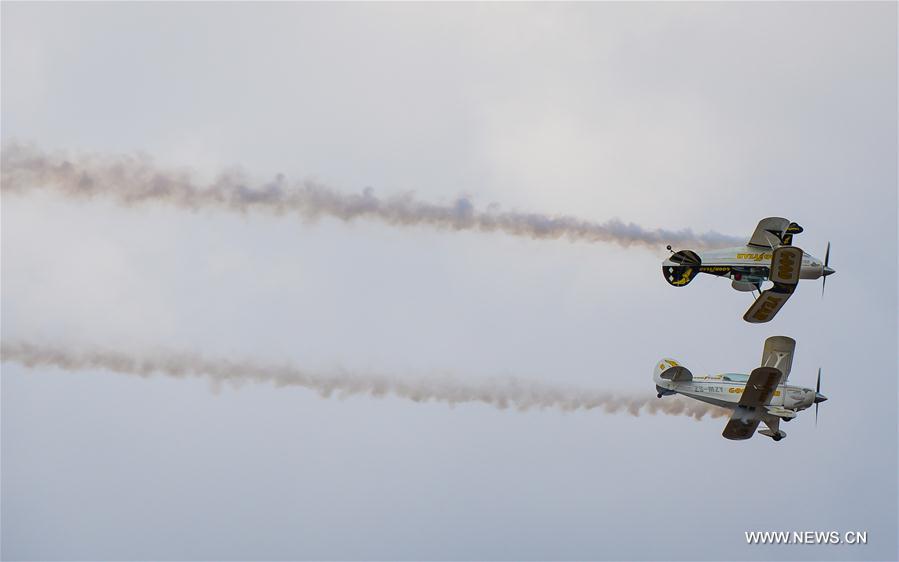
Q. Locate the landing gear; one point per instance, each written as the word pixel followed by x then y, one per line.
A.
pixel 776 436
pixel 787 419
pixel 659 395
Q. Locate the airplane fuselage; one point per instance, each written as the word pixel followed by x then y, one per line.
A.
pixel 750 259
pixel 747 266
pixel 726 389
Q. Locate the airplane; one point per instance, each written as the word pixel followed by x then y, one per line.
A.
pixel 768 256
pixel 761 396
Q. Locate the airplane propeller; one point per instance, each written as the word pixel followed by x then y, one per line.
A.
pixel 827 271
pixel 818 396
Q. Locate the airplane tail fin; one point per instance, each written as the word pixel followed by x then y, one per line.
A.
pixel 670 370
pixel 681 268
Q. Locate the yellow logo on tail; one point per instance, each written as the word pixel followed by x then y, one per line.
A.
pixel 685 278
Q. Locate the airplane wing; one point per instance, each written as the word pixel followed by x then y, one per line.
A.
pixel 778 353
pixel 738 428
pixel 748 414
pixel 786 263
pixel 760 388
pixel 766 306
pixel 769 232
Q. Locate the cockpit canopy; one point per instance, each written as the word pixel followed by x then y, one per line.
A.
pixel 735 377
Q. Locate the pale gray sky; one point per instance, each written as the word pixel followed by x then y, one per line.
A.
pixel 674 115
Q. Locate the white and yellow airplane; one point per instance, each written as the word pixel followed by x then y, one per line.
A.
pixel 761 396
pixel 768 256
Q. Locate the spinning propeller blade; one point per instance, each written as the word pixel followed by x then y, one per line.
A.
pixel 826 272
pixel 817 394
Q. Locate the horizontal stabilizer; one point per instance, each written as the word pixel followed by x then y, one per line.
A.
pixel 677 374
pixel 787 238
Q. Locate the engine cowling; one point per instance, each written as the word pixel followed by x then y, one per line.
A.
pixel 798 398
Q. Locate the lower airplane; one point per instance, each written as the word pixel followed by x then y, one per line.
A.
pixel 761 396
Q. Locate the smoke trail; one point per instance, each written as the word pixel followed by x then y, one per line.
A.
pixel 499 393
pixel 132 180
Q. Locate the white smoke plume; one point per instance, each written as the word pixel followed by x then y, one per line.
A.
pixel 500 393
pixel 133 180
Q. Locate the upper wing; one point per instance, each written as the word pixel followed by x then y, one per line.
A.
pixel 758 392
pixel 760 388
pixel 769 232
pixel 778 353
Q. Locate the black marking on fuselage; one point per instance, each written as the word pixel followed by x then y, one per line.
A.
pixel 741 273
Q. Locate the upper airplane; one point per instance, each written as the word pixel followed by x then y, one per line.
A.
pixel 768 256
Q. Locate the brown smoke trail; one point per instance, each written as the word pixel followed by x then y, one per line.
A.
pixel 499 393
pixel 132 180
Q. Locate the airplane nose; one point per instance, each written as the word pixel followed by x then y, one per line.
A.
pixel 828 271
pixel 820 398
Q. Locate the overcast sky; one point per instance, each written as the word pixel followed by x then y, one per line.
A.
pixel 702 115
